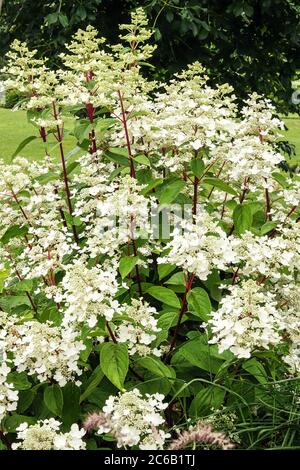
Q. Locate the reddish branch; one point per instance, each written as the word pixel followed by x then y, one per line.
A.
pixel 124 122
pixel 65 173
pixel 182 311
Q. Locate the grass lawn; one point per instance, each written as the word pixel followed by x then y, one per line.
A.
pixel 293 134
pixel 14 128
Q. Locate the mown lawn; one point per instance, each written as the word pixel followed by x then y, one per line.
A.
pixel 14 128
pixel 293 134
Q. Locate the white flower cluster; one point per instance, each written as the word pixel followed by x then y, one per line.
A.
pixel 202 247
pixel 46 435
pixel 114 212
pixel 247 319
pixel 135 421
pixel 88 293
pixel 138 328
pixel 8 395
pixel 269 256
pixel 248 158
pixel 43 350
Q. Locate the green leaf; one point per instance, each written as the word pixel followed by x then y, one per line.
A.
pixel 127 263
pixel 280 179
pixel 156 367
pixel 170 191
pixel 81 12
pixel 22 145
pixel 26 398
pixel 15 231
pixel 11 423
pixel 165 269
pixel 197 167
pixel 164 295
pixel 267 227
pixel 165 322
pixel 4 273
pixel 104 124
pixel 115 363
pixel 177 279
pixel 211 397
pixel 46 177
pixel 52 18
pixel 26 285
pixel 217 183
pixel 198 354
pixel 117 156
pixel 13 301
pixel 255 368
pixel 82 129
pixel 63 19
pixel 199 303
pixel 19 380
pixel 153 184
pixel 142 159
pixel 92 383
pixel 71 408
pixel 53 399
pixel 242 218
pixel 71 167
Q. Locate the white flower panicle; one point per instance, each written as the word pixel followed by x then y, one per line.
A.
pixel 45 351
pixel 46 435
pixel 247 319
pixel 138 328
pixel 88 293
pixel 202 247
pixel 8 395
pixel 132 420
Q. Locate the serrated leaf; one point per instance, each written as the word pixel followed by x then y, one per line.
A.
pixel 15 231
pixel 164 295
pixel 82 129
pixel 242 218
pixel 164 269
pixel 115 363
pixel 119 158
pixel 53 399
pixel 92 383
pixel 211 397
pixel 11 423
pixel 170 191
pixel 142 159
pixel 177 279
pixel 156 366
pixel 197 167
pixel 267 227
pixel 19 380
pixel 219 184
pixel 199 303
pixel 255 368
pixel 166 321
pixel 127 263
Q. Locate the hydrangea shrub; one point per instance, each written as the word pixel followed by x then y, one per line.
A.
pixel 150 285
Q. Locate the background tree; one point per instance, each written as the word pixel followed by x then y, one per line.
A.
pixel 252 44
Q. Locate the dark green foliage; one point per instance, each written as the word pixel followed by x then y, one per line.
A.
pixel 253 45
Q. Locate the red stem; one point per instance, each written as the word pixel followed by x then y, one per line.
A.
pixel 111 333
pixel 124 121
pixel 65 174
pixel 182 311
